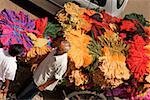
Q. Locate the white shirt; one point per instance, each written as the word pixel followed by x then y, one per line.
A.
pixel 51 67
pixel 8 66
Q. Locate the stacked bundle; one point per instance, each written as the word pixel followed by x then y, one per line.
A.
pixel 108 52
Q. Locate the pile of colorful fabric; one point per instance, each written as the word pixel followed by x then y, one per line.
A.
pixel 18 28
pixel 106 51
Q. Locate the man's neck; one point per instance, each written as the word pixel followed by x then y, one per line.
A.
pixel 59 53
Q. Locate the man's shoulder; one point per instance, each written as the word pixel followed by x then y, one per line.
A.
pixel 62 57
pixel 61 60
pixel 10 59
pixel 11 62
pixel 1 50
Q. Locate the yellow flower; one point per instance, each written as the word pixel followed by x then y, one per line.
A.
pixel 79 52
pixel 79 77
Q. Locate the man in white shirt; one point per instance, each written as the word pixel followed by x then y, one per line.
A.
pixel 49 71
pixel 8 65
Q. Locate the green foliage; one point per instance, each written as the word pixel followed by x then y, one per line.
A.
pixel 138 17
pixel 114 43
pixel 53 30
pixel 95 51
pixel 63 82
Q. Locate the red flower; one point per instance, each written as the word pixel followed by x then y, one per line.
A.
pixel 110 19
pixel 40 25
pixel 122 35
pixel 137 60
pixel 128 26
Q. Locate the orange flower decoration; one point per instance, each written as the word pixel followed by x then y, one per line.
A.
pixel 79 52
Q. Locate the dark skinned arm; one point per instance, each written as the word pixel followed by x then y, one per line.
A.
pixel 7 82
pixel 43 86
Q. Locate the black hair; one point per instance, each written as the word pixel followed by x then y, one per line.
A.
pixel 56 41
pixel 16 49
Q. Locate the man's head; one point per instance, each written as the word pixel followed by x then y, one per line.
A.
pixel 61 44
pixel 16 49
pixel 64 46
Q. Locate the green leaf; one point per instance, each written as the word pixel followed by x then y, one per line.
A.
pixel 138 17
pixel 53 30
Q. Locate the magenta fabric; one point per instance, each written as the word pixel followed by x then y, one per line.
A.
pixel 13 28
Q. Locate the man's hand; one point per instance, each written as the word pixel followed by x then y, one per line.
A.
pixel 5 90
pixel 34 67
pixel 41 87
pixel 3 93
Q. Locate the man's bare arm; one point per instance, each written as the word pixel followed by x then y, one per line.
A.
pixel 43 86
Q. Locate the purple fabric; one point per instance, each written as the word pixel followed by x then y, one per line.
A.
pixel 14 27
pixel 118 92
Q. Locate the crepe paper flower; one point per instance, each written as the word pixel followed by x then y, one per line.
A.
pixel 128 26
pixel 122 35
pixel 78 77
pixel 138 91
pixel 73 9
pixel 147 78
pixel 40 25
pixel 37 51
pixel 38 42
pixel 147 30
pixel 80 23
pixel 100 26
pixel 135 88
pixel 113 27
pixel 112 61
pixel 62 16
pixel 134 28
pixel 112 58
pixel 96 22
pixel 99 79
pixel 144 96
pixel 52 31
pixel 79 52
pixel 137 59
pixel 118 92
pixel 120 48
pixel 95 32
pixel 32 36
pixel 14 27
pixel 97 28
pixel 113 65
pixel 110 19
pixel 138 17
pixel 70 15
pixel 147 47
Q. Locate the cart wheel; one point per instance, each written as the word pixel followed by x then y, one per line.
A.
pixel 85 95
